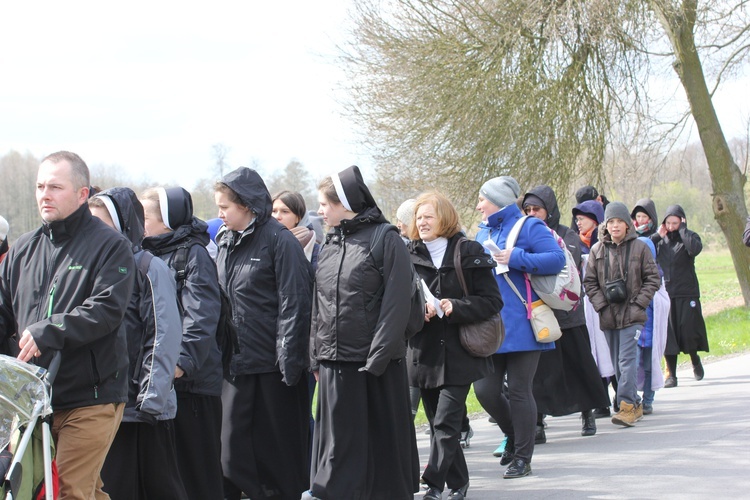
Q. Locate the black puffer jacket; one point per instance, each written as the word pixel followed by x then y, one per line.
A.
pixel 200 303
pixel 436 357
pixel 268 279
pixel 346 281
pixel 69 283
pixel 676 254
pixel 575 317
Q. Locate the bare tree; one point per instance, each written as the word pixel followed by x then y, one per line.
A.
pixel 220 152
pixel 456 91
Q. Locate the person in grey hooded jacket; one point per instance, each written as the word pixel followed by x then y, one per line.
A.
pixel 264 271
pixel 141 461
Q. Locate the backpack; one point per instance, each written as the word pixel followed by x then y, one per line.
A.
pixel 416 315
pixel 560 291
pixel 226 333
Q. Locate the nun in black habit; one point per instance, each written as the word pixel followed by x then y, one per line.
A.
pixel 364 445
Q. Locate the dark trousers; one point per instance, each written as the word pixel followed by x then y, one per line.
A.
pixel 515 417
pixel 198 440
pixel 445 408
pixel 142 463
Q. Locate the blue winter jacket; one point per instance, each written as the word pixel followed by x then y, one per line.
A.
pixel 535 252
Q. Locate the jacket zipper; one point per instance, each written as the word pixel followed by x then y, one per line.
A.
pixel 50 305
pixel 338 281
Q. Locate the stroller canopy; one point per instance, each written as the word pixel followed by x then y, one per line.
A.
pixel 23 395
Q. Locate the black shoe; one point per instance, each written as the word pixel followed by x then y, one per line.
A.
pixel 508 452
pixel 465 439
pixel 602 413
pixel 615 405
pixel 589 423
pixel 518 468
pixel 670 382
pixel 698 371
pixel 541 436
pixel 492 420
pixel 460 493
pixel 433 494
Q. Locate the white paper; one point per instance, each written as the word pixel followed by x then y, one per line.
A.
pixel 431 299
pixel 494 249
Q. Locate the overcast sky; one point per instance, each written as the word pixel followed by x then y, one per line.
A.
pixel 151 86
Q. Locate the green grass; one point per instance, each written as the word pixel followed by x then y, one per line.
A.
pixel 728 330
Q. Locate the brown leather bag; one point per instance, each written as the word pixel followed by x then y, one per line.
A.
pixel 483 338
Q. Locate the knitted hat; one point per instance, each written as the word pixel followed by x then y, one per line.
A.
pixel 501 191
pixel 352 190
pixel 405 212
pixel 532 199
pixel 4 228
pixel 617 210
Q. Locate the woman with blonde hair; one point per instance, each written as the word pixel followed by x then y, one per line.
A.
pixel 436 360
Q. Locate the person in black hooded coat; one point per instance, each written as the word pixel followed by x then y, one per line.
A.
pixel 676 249
pixel 567 379
pixel 170 224
pixel 364 445
pixel 268 279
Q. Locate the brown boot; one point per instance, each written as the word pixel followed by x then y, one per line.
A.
pixel 626 416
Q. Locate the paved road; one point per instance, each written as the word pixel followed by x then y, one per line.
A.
pixel 695 445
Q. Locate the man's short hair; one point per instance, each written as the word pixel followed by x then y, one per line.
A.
pixel 81 177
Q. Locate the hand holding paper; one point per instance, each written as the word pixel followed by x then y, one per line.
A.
pixel 494 250
pixel 430 299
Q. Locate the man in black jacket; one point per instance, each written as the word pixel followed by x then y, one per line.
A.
pixel 65 287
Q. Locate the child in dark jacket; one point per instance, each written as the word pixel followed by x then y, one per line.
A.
pixel 621 279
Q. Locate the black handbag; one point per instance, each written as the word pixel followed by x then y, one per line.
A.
pixel 483 338
pixel 616 291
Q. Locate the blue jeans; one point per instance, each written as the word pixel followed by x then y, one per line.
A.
pixel 623 348
pixel 644 361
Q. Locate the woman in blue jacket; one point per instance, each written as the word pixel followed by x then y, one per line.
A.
pixel 535 252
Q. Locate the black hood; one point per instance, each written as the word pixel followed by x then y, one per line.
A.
pixel 251 189
pixel 648 206
pixel 128 213
pixel 549 200
pixel 675 210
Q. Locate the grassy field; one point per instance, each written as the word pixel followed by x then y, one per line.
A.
pixel 728 327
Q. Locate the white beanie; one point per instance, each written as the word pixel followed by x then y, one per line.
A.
pixel 4 228
pixel 405 212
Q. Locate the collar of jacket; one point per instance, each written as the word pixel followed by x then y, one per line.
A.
pixel 63 230
pixel 510 213
pixel 197 231
pixel 367 217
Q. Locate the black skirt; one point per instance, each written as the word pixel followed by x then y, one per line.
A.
pixel 567 379
pixel 687 330
pixel 364 446
pixel 265 436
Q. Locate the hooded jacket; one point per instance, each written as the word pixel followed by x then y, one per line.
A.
pixel 648 206
pixel 676 254
pixel 575 317
pixel 198 296
pixel 642 275
pixel 264 272
pixel 535 252
pixel 69 284
pixel 151 323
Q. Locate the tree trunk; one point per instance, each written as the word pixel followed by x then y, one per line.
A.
pixel 727 181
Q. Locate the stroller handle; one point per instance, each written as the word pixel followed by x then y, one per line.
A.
pixel 54 367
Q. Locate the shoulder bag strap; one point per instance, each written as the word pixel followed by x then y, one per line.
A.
pixel 457 265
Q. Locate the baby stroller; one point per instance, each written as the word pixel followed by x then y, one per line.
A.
pixel 26 460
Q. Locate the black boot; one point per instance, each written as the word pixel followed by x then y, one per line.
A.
pixel 697 366
pixel 589 423
pixel 541 436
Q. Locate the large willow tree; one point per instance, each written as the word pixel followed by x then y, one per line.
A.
pixel 452 92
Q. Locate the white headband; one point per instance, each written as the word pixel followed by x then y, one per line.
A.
pixel 340 191
pixel 112 211
pixel 164 206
